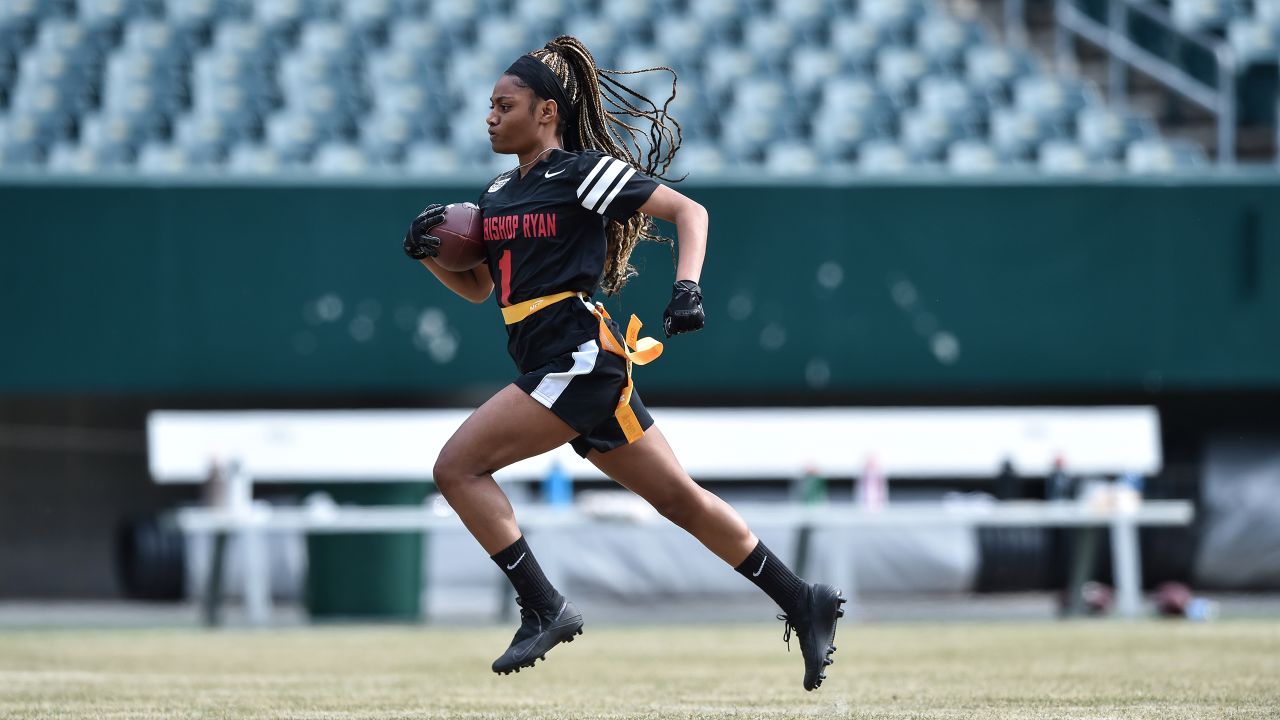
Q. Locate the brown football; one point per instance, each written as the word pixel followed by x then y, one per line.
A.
pixel 461 237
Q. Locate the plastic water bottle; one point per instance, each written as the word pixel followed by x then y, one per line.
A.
pixel 557 487
pixel 1201 609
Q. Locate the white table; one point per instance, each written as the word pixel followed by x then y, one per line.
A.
pixel 250 522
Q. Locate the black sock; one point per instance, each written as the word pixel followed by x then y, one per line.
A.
pixel 522 569
pixel 771 575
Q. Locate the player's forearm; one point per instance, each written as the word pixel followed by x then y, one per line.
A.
pixel 691 234
pixel 474 285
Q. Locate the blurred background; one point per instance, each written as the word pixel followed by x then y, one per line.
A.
pixel 915 204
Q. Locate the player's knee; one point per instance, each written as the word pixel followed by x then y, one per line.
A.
pixel 681 508
pixel 449 473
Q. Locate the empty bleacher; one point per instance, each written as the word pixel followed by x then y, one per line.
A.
pixel 341 88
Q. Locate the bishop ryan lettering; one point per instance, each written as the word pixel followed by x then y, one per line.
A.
pixel 528 225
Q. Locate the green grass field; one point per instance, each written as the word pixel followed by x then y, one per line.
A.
pixel 1065 670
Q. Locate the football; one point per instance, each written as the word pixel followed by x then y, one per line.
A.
pixel 461 237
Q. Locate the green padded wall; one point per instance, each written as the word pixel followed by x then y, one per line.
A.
pixel 935 286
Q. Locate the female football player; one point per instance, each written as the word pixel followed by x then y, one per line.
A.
pixel 556 226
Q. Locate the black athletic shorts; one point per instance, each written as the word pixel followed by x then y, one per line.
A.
pixel 582 387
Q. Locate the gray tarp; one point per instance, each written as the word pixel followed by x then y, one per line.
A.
pixel 1240 514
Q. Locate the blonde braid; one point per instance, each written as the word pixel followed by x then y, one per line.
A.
pixel 607 130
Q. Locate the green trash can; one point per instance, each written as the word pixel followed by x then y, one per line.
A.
pixel 367 576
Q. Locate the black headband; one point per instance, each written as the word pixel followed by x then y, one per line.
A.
pixel 544 83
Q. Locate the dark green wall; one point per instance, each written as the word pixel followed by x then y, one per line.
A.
pixel 1085 285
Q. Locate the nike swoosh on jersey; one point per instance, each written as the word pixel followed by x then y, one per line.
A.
pixel 550 174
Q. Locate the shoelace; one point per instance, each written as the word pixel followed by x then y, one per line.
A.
pixel 786 630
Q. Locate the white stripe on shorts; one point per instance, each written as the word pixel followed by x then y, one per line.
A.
pixel 553 384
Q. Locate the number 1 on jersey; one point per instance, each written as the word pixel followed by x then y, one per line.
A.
pixel 504 269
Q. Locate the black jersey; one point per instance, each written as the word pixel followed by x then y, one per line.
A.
pixel 545 233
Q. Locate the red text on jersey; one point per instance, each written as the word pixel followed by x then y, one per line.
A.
pixel 528 225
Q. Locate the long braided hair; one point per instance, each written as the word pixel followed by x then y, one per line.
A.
pixel 610 130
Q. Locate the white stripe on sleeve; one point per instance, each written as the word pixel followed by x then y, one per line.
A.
pixel 616 189
pixel 554 384
pixel 606 179
pixel 586 183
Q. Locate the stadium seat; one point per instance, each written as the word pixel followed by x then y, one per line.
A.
pixel 244 40
pixel 1267 12
pixel 384 137
pixel 1062 157
pixel 602 36
pixel 790 158
pixel 505 38
pixel 769 40
pixel 848 92
pixel 339 159
pixel 293 136
pixel 627 13
pixel 882 157
pixel 697 158
pixel 432 159
pixel 1253 41
pixel 1201 15
pixel 108 16
pixel 1163 156
pixel 896 16
pixel 1054 99
pixel 368 18
pixel 972 157
pixel 541 15
pixel 855 42
pixel 158 40
pixel 204 138
pixel 926 134
pixel 682 38
pixel 720 17
pixel 332 43
pixel 469 72
pixel 20 145
pixel 952 96
pixel 898 69
pixel 1015 134
pixel 278 18
pixel 1104 133
pixel 162 159
pixel 422 40
pixel 837 135
pixel 993 70
pixel 253 160
pixel 811 66
pixel 944 39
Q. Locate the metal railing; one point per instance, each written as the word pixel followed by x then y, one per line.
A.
pixel 1123 53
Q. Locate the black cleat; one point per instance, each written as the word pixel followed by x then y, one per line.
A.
pixel 540 630
pixel 814 623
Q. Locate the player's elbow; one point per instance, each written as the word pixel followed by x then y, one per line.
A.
pixel 693 211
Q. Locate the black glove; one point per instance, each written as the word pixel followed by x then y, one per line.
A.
pixel 684 312
pixel 418 242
